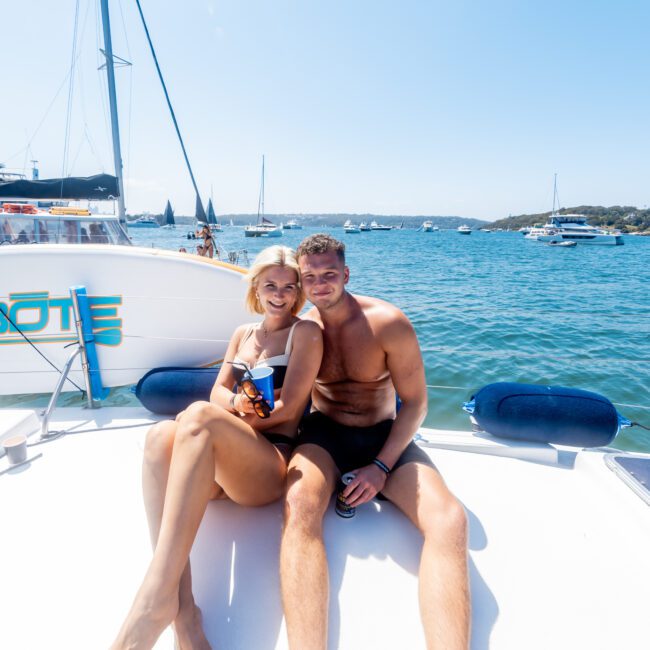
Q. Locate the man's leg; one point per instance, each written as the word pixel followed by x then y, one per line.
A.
pixel 303 562
pixel 420 492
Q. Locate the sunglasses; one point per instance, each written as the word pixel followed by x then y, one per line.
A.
pixel 260 405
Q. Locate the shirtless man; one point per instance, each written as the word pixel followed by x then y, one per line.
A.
pixel 370 351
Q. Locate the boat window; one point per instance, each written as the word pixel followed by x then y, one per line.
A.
pixel 17 230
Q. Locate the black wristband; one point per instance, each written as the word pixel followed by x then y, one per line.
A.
pixel 382 466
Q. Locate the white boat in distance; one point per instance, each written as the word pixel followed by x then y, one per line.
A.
pixel 350 228
pixel 264 227
pixel 427 226
pixel 574 227
pixel 464 230
pixel 375 226
pixel 292 224
pixel 534 232
pixel 145 221
pixel 364 227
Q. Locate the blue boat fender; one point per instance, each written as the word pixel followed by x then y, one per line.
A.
pixel 168 391
pixel 551 414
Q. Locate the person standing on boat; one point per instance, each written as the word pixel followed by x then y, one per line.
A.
pixel 208 240
pixel 228 448
pixel 370 351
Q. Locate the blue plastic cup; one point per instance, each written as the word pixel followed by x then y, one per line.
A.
pixel 263 380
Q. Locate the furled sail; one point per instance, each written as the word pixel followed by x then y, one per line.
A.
pixel 98 187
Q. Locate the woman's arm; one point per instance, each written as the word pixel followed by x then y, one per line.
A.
pixel 304 364
pixel 221 393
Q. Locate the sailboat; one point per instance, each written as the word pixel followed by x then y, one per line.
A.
pixel 168 217
pixel 264 227
pixel 215 226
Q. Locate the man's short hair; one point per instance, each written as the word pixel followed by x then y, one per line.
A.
pixel 321 243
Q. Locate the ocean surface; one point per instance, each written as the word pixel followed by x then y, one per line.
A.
pixel 496 307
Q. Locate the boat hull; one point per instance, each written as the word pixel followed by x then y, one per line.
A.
pixel 150 308
pixel 599 240
pixel 255 232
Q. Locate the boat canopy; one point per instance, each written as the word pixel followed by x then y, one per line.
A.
pixel 98 187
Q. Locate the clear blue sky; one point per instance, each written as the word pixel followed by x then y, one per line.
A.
pixel 423 108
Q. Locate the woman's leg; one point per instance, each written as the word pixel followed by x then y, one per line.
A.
pixel 155 472
pixel 210 444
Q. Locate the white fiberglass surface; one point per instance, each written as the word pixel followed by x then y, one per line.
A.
pixel 550 545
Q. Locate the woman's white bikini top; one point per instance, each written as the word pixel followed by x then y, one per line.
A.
pixel 279 362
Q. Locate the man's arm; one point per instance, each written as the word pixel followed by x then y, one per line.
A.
pixel 404 362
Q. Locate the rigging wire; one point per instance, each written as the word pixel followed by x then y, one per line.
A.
pixel 169 104
pixel 129 121
pixel 73 59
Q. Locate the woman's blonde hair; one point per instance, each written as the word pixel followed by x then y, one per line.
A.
pixel 272 256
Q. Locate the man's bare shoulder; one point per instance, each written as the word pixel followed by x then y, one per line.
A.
pixel 382 313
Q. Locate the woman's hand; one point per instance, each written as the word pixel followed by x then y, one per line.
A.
pixel 242 404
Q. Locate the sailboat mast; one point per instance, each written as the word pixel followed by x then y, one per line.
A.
pixel 260 202
pixel 112 98
pixel 262 191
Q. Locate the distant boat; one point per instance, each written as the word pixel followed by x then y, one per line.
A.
pixel 264 227
pixel 427 226
pixel 350 228
pixel 464 230
pixel 375 226
pixel 562 244
pixel 214 224
pixel 364 227
pixel 145 221
pixel 292 224
pixel 168 217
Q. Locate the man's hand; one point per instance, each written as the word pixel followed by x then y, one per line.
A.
pixel 368 481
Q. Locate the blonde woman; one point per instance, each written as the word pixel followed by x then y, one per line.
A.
pixel 227 448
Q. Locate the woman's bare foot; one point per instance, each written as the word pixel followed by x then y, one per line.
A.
pixel 188 627
pixel 145 622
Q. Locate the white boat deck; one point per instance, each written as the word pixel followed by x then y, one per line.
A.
pixel 558 548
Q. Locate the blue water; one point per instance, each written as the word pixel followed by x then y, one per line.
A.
pixel 495 307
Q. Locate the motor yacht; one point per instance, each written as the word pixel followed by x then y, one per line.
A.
pixel 350 228
pixel 574 227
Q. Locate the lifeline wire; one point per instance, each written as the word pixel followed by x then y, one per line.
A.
pixel 2 311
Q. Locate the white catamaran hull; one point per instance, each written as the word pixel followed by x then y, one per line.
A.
pixel 150 308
